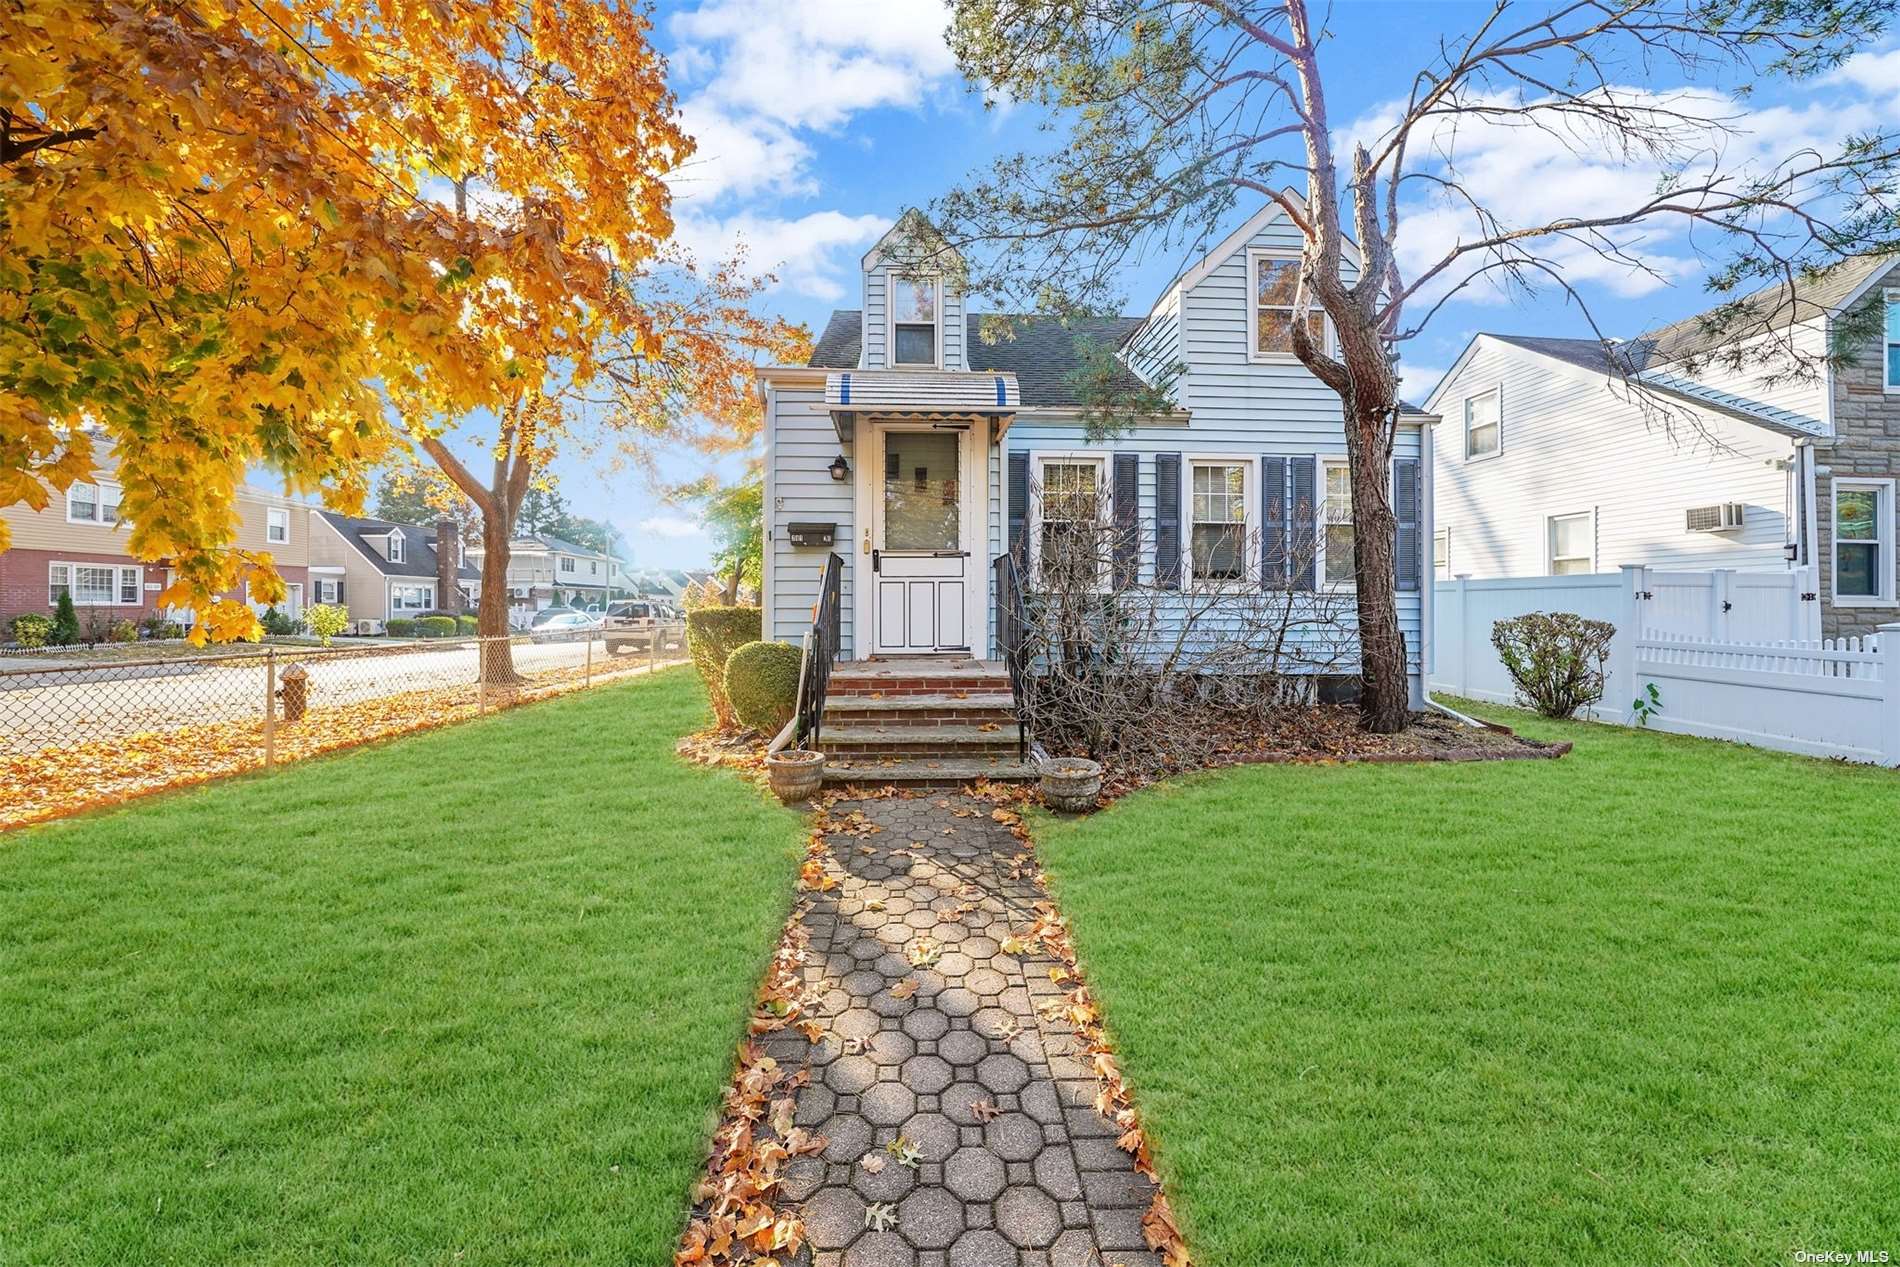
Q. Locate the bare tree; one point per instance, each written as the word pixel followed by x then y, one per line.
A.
pixel 1161 677
pixel 1178 112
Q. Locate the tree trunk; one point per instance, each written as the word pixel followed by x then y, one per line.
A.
pixel 732 586
pixel 1384 699
pixel 498 657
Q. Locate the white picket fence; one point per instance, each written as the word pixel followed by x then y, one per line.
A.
pixel 1713 644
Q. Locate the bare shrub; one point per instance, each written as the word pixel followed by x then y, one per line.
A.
pixel 1555 659
pixel 1152 671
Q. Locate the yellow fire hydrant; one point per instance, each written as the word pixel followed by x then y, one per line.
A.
pixel 294 691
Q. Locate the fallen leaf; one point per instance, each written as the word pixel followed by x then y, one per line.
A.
pixel 872 1163
pixel 905 988
pixel 985 1111
pixel 880 1216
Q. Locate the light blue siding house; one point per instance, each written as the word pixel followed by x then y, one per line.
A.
pixel 910 447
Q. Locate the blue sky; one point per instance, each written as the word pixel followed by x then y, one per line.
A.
pixel 820 120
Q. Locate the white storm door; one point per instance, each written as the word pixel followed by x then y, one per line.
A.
pixel 921 557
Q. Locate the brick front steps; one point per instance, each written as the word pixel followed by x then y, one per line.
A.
pixel 920 720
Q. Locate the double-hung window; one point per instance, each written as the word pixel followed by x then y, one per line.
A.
pixel 92 504
pixel 1570 541
pixel 1441 554
pixel 413 598
pixel 395 547
pixel 1337 546
pixel 914 320
pixel 1863 542
pixel 326 590
pixel 567 563
pixel 276 525
pixel 1276 283
pixel 1069 520
pixel 1217 513
pixel 1484 424
pixel 1890 338
pixel 95 584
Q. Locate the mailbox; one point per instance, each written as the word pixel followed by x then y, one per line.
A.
pixel 808 534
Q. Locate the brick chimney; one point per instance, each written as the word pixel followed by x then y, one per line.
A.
pixel 448 562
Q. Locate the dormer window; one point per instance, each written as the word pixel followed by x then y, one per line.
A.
pixel 395 547
pixel 915 315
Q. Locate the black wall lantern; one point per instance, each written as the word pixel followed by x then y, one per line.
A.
pixel 839 468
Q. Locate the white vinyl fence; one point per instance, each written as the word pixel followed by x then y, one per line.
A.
pixel 1721 648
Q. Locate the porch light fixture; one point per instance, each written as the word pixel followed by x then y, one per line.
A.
pixel 839 468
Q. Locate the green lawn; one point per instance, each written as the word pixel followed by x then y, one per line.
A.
pixel 1637 1006
pixel 463 998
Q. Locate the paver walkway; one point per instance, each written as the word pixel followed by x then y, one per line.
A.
pixel 1014 1167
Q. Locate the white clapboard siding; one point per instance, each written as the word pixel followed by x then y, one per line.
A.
pixel 800 489
pixel 1573 444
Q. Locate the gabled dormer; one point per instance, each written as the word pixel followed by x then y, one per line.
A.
pixel 913 310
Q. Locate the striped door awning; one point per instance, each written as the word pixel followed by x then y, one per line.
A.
pixel 919 394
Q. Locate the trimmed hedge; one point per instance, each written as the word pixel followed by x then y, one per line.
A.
pixel 712 634
pixel 437 626
pixel 762 684
pixel 400 627
pixel 30 629
pixel 468 624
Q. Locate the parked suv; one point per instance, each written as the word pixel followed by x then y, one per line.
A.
pixel 634 624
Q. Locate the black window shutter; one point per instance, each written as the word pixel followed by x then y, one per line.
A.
pixel 339 591
pixel 1168 520
pixel 1272 522
pixel 1127 508
pixel 1303 514
pixel 1405 508
pixel 1018 507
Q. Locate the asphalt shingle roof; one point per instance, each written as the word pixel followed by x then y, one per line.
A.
pixel 1771 307
pixel 418 554
pixel 1043 354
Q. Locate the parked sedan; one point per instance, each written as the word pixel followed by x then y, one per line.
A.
pixel 565 627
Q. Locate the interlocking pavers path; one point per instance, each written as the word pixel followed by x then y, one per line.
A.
pixel 1040 1183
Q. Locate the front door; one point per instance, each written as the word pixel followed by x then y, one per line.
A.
pixel 921 556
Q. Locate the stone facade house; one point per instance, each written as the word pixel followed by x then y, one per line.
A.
pixel 1574 455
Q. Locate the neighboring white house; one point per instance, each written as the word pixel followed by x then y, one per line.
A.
pixel 912 445
pixel 1550 462
pixel 549 571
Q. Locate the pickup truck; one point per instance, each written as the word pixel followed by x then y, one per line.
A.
pixel 636 625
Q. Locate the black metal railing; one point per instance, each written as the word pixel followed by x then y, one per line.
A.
pixel 821 650
pixel 1012 638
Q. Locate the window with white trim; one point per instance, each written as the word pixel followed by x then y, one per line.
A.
pixel 1863 542
pixel 1484 424
pixel 1218 504
pixel 276 525
pixel 567 563
pixel 1276 282
pixel 1891 340
pixel 1069 516
pixel 326 590
pixel 1336 547
pixel 92 504
pixel 914 319
pixel 593 567
pixel 1570 541
pixel 411 598
pixel 396 544
pixel 95 584
pixel 1441 554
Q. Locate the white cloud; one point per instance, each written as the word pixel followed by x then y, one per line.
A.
pixel 1416 381
pixel 809 254
pixel 671 527
pixel 763 71
pixel 1527 176
pixel 1877 73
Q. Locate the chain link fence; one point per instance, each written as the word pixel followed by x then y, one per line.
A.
pixel 76 732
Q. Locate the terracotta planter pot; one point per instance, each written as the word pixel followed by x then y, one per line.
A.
pixel 795 774
pixel 1071 784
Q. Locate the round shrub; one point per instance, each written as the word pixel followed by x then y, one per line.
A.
pixel 400 627
pixel 762 684
pixel 437 626
pixel 327 620
pixel 712 634
pixel 123 631
pixel 468 624
pixel 30 629
pixel 1555 659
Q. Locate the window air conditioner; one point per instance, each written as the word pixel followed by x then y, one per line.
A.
pixel 1726 517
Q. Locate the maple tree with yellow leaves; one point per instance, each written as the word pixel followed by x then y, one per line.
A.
pixel 301 234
